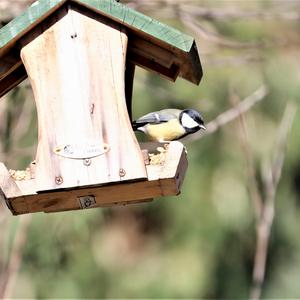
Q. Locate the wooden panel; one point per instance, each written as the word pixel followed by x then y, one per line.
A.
pixel 7 184
pixel 11 80
pixel 69 200
pixel 140 47
pixel 148 64
pixel 190 66
pixel 130 18
pixel 163 180
pixel 152 40
pixel 76 69
pixel 54 210
pixel 9 61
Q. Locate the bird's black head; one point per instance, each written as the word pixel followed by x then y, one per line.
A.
pixel 191 120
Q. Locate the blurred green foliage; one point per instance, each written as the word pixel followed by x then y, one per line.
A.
pixel 202 243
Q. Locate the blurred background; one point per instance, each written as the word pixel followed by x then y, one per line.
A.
pixel 234 230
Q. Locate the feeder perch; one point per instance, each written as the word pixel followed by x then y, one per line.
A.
pixel 80 58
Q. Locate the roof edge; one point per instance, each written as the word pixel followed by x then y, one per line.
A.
pixel 109 8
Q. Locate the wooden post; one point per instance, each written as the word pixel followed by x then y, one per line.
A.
pixel 76 69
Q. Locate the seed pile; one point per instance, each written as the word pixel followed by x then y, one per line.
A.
pixel 160 157
pixel 19 175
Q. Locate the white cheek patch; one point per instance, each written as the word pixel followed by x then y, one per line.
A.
pixel 188 122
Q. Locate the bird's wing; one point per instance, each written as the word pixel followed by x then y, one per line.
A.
pixel 160 116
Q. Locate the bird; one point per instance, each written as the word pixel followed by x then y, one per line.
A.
pixel 169 124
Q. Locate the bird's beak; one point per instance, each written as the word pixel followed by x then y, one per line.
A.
pixel 202 127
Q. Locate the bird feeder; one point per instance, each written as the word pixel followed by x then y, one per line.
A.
pixel 80 58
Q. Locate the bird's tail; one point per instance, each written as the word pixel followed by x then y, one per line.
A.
pixel 138 125
pixel 135 125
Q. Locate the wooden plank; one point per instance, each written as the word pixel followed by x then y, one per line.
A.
pixel 140 47
pixel 110 195
pixel 145 31
pixel 164 37
pixel 9 189
pixel 174 167
pixel 130 18
pixel 125 203
pixel 11 80
pixel 190 66
pixel 10 60
pixel 7 184
pixel 28 187
pixel 76 68
pixel 148 64
pixel 174 157
pixel 163 180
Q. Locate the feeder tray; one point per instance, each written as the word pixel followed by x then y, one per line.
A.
pixel 80 58
pixel 165 168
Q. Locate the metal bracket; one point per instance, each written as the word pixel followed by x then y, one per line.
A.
pixel 87 201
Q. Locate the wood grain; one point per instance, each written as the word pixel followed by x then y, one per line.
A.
pixel 152 41
pixel 76 68
pixel 7 184
pixel 12 78
pixel 163 180
pixel 120 13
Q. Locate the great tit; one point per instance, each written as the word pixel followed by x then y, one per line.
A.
pixel 169 124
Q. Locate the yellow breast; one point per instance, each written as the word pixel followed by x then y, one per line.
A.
pixel 167 131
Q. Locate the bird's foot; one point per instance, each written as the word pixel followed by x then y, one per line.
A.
pixel 185 149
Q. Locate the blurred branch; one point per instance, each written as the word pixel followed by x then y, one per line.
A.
pixel 196 17
pixel 10 275
pixel 216 38
pixel 271 177
pixel 281 10
pixel 4 225
pixel 213 14
pixel 255 195
pixel 264 201
pixel 236 60
pixel 231 114
pixel 11 8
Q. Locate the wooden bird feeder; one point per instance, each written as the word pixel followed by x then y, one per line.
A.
pixel 80 57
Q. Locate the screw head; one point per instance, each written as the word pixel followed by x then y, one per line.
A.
pixel 122 172
pixel 59 180
pixel 87 162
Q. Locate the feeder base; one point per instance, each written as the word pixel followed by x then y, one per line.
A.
pixel 165 172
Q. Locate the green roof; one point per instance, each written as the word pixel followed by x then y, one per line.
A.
pixel 180 45
pixel 121 13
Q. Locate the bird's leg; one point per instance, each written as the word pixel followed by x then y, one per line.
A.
pixel 166 145
pixel 185 149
